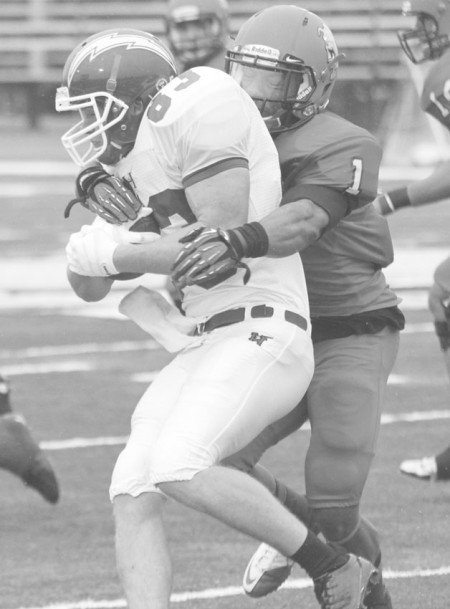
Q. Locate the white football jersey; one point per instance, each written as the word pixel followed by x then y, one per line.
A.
pixel 200 124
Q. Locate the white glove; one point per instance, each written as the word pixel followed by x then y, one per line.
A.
pixel 90 252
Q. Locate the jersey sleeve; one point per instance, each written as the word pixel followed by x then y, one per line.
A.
pixel 339 176
pixel 215 133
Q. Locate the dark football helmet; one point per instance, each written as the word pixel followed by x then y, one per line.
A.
pixel 429 39
pixel 110 78
pixel 196 29
pixel 286 58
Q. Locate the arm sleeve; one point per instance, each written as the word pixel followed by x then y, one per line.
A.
pixel 215 139
pixel 340 176
pixel 333 201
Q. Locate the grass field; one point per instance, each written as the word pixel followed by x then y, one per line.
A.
pixel 77 371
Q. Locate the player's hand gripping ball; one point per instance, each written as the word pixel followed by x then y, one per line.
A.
pixel 208 257
pixel 106 196
pixel 90 251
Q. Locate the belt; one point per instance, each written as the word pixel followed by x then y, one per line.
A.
pixel 234 316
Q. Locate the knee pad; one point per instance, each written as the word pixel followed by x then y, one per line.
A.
pixel 338 524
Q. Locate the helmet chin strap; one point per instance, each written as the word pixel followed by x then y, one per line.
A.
pixel 114 152
pixel 283 120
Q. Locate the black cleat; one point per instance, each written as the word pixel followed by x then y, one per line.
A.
pixel 377 595
pixel 21 455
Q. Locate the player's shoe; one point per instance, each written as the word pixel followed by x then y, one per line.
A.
pixel 346 587
pixel 21 455
pixel 423 469
pixel 266 571
pixel 377 596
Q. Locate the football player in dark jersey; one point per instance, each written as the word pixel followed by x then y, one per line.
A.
pixel 197 32
pixel 286 59
pixel 429 40
pixel 20 454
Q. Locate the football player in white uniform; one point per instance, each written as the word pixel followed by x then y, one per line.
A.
pixel 196 152
pixel 429 40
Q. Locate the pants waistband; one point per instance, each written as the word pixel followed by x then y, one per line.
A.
pixel 234 316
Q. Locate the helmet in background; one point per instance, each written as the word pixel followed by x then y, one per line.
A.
pixel 196 29
pixel 430 37
pixel 110 79
pixel 292 52
pixel 435 98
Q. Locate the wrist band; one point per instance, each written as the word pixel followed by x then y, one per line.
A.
pixel 397 198
pixel 254 240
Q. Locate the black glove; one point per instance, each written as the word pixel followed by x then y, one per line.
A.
pixel 213 255
pixel 106 196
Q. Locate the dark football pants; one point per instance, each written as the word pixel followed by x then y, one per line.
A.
pixel 344 403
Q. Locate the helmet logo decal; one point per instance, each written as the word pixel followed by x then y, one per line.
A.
pixel 304 92
pixel 330 45
pixel 116 39
pixel 261 50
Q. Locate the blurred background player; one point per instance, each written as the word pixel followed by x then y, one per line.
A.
pixel 330 175
pixel 429 40
pixel 197 32
pixel 19 452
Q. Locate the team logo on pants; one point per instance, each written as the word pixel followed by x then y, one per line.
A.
pixel 259 339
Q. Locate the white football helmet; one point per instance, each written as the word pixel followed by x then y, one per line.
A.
pixel 110 79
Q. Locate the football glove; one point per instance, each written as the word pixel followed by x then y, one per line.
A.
pixel 90 252
pixel 213 255
pixel 106 196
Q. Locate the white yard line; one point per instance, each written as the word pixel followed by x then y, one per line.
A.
pixel 81 349
pixel 386 419
pixel 230 591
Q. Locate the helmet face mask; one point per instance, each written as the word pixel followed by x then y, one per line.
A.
pixel 298 48
pixel 110 79
pixel 196 29
pixel 275 86
pixel 87 139
pixel 430 37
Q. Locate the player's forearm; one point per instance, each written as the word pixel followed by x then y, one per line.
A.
pixel 435 187
pixel 432 189
pixel 155 257
pixel 90 289
pixel 293 227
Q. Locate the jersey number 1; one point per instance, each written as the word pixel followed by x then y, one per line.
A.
pixel 355 188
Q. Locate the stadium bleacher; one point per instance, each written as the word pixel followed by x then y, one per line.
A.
pixel 36 36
